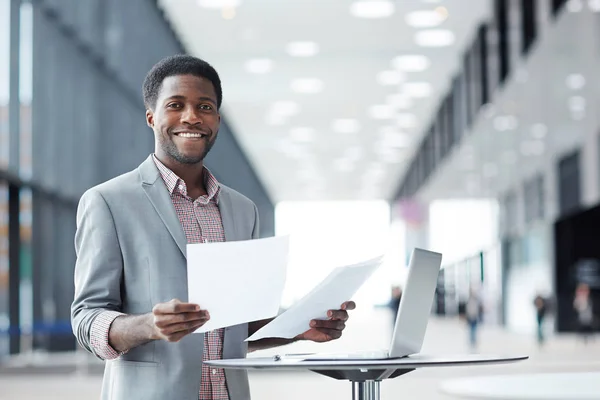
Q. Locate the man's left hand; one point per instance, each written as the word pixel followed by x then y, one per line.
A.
pixel 330 329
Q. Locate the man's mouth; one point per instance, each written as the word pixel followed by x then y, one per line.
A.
pixel 191 135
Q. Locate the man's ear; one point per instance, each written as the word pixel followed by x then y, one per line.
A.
pixel 150 118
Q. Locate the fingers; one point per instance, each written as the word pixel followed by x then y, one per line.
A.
pixel 331 324
pixel 165 320
pixel 176 331
pixel 175 306
pixel 338 314
pixel 174 319
pixel 331 334
pixel 349 305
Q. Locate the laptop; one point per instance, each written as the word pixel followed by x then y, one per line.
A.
pixel 413 313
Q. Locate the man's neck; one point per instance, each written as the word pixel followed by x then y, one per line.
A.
pixel 192 174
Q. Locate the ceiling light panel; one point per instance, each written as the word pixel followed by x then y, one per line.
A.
pixel 372 9
pixel 218 4
pixel 345 125
pixel 418 89
pixel 302 49
pixel 411 63
pixel 426 18
pixel 434 38
pixel 259 65
pixel 307 85
pixel 390 78
pixel 381 111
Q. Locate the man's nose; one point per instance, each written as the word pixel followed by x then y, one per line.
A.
pixel 192 116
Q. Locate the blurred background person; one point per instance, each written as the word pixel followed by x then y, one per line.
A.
pixel 541 308
pixel 585 311
pixel 394 303
pixel 473 315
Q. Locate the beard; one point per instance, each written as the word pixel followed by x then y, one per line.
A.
pixel 172 151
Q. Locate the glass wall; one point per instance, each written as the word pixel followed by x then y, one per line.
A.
pixel 4 306
pixel 4 79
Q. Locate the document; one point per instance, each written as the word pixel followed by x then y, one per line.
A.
pixel 237 282
pixel 339 286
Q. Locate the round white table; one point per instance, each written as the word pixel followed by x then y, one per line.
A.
pixel 538 386
pixel 365 375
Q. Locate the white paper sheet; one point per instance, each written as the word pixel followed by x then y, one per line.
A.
pixel 237 282
pixel 339 286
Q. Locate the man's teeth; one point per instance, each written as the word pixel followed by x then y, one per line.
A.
pixel 192 135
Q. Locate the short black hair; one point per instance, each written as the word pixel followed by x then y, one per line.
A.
pixel 180 64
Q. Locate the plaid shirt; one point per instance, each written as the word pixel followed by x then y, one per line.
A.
pixel 201 222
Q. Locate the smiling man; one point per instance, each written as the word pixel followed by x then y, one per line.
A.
pixel 130 277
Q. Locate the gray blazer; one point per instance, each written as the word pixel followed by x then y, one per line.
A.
pixel 131 255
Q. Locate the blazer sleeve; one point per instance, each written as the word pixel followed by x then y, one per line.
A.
pixel 256 228
pixel 98 268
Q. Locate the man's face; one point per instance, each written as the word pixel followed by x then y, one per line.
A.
pixel 185 119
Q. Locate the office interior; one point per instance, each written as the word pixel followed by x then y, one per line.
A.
pixel 359 127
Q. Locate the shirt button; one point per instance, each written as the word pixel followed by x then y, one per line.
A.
pixel 214 371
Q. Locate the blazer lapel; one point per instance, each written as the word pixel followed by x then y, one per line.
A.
pixel 227 215
pixel 159 197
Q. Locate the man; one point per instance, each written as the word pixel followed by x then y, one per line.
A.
pixel 130 277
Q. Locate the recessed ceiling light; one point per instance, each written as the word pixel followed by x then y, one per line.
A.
pixel 418 89
pixel 575 81
pixel 302 49
pixel 343 165
pixel 539 131
pixel 406 120
pixel 285 108
pixel 394 140
pixel 594 5
pixel 411 63
pixel 354 153
pixel 426 18
pixel 574 6
pixel 390 77
pixel 219 4
pixel 228 13
pixel 372 8
pixel 577 103
pixel 381 111
pixel 345 125
pixel 306 85
pixel 259 65
pixel 399 101
pixel 505 123
pixel 434 38
pixel 302 134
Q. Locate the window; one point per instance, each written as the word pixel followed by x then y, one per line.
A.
pixel 528 24
pixel 557 5
pixel 501 13
pixel 483 64
pixel 569 185
pixel 534 199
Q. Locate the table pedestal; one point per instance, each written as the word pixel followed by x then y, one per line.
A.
pixel 365 382
pixel 366 390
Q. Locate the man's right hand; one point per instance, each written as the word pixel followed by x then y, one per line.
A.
pixel 174 320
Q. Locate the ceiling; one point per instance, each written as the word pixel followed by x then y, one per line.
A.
pixel 342 137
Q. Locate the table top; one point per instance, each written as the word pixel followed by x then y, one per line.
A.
pixel 410 362
pixel 539 386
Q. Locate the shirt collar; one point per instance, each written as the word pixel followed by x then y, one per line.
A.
pixel 173 182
